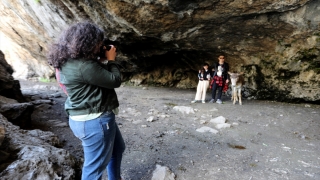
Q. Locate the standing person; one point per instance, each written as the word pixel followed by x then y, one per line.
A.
pixel 91 99
pixel 220 78
pixel 204 76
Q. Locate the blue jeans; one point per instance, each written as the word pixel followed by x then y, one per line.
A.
pixel 215 87
pixel 103 146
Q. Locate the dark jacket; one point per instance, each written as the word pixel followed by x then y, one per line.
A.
pixel 204 75
pixel 225 66
pixel 90 86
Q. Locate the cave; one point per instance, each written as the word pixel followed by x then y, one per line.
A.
pixel 163 44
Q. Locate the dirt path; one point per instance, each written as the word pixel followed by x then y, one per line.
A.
pixel 267 140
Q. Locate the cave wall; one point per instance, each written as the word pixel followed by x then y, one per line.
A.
pixel 276 43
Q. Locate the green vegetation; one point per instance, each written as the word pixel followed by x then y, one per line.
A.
pixel 42 79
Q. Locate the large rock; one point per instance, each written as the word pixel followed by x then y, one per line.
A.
pixel 35 157
pixel 275 43
pixel 17 113
pixel 8 86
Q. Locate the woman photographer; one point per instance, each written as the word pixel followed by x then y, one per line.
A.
pixel 92 101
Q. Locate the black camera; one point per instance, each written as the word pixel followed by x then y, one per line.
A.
pixel 106 46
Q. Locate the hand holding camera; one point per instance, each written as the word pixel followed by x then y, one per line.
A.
pixel 111 53
pixel 107 51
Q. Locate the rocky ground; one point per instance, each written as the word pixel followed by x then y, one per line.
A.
pixel 266 140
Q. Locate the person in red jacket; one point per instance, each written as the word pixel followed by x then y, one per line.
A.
pixel 220 78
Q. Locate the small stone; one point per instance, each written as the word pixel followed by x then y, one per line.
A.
pixel 162 173
pixel 203 122
pixel 184 109
pixel 207 129
pixel 307 105
pixel 144 126
pixel 235 124
pixel 222 126
pixel 145 88
pixel 137 122
pixel 218 120
pixel 150 119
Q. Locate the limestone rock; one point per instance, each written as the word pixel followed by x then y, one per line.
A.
pixel 218 120
pixel 41 163
pixel 162 173
pixel 203 122
pixel 37 158
pixel 207 129
pixel 235 124
pixel 9 87
pixel 18 113
pixel 150 119
pixel 184 109
pixel 4 100
pixel 223 125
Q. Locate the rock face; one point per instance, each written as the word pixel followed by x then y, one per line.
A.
pixel 164 42
pixel 17 113
pixel 10 96
pixel 32 155
pixel 9 87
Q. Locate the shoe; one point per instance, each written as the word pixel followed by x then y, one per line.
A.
pixel 219 101
pixel 203 101
pixel 211 101
pixel 194 101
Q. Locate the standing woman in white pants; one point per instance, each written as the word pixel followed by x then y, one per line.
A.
pixel 204 79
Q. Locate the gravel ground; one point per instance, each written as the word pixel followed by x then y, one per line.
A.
pixel 267 140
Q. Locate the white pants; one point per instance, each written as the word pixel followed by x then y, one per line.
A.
pixel 202 90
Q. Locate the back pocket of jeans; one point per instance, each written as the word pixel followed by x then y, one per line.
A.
pixel 77 128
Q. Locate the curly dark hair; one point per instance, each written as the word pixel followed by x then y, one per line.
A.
pixel 78 41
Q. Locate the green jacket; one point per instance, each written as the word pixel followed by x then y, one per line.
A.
pixel 90 86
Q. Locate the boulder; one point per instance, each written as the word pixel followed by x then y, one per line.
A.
pixel 18 113
pixel 9 87
pixel 34 156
